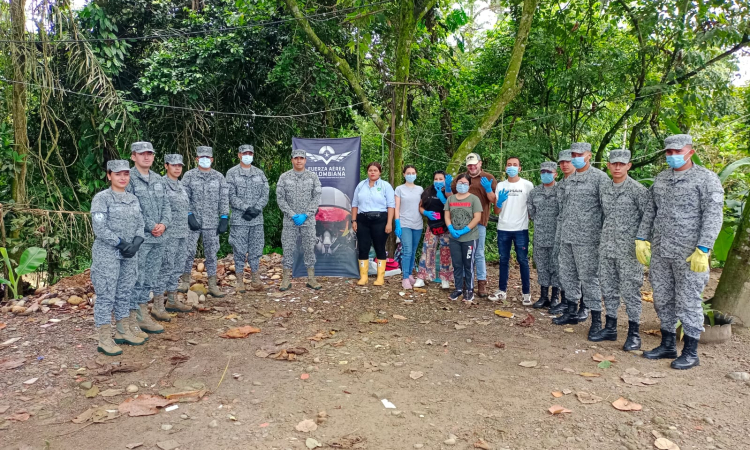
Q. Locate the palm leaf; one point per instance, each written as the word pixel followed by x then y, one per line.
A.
pixel 31 259
pixel 728 170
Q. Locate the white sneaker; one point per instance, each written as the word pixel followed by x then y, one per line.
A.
pixel 498 295
pixel 419 283
pixel 445 284
pixel 527 300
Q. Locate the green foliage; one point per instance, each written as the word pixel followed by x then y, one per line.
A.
pixel 31 259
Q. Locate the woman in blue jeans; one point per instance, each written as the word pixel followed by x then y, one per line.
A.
pixel 408 223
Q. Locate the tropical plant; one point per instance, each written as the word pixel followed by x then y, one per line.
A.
pixel 31 259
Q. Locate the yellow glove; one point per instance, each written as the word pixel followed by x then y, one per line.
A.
pixel 698 261
pixel 643 252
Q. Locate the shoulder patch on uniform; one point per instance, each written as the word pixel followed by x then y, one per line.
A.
pixel 717 196
pixel 98 216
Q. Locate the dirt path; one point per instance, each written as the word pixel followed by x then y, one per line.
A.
pixel 442 367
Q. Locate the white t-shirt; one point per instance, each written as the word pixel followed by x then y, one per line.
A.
pixel 514 216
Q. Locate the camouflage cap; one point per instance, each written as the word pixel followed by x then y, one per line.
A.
pixel 580 147
pixel 204 151
pixel 117 165
pixel 619 156
pixel 246 148
pixel 564 155
pixel 299 153
pixel 141 147
pixel 173 159
pixel 549 165
pixel 677 141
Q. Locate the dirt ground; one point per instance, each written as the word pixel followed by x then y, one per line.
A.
pixel 449 369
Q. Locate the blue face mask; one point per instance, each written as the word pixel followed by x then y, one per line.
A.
pixel 439 185
pixel 247 159
pixel 578 162
pixel 462 188
pixel 548 178
pixel 204 162
pixel 410 178
pixel 676 161
pixel 512 171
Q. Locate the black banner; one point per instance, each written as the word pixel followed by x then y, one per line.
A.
pixel 336 162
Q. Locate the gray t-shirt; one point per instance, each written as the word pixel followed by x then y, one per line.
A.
pixel 409 211
pixel 462 213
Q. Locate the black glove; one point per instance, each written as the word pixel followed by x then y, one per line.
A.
pixel 132 248
pixel 123 246
pixel 250 213
pixel 223 226
pixel 193 223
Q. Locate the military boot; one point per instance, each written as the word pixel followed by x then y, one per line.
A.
pixel 557 306
pixel 184 283
pixel 286 280
pixel 255 282
pixel 608 333
pixel 689 357
pixel 239 284
pixel 174 305
pixel 666 350
pixel 312 283
pixel 633 341
pixel 583 312
pixel 145 322
pixel 543 299
pixel 570 315
pixel 213 289
pixel 158 311
pixel 106 343
pixel 596 324
pixel 124 335
pixel 132 323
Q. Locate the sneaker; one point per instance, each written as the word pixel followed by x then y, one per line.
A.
pixel 469 296
pixel 527 300
pixel 445 284
pixel 405 284
pixel 419 283
pixel 455 295
pixel 498 295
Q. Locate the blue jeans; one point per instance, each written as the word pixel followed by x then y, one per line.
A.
pixel 520 239
pixel 409 242
pixel 479 260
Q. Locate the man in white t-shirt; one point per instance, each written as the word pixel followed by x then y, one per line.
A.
pixel 513 228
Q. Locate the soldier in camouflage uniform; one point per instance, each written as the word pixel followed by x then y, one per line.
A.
pixel 580 227
pixel 564 158
pixel 151 191
pixel 688 201
pixel 175 245
pixel 118 234
pixel 208 217
pixel 298 196
pixel 248 195
pixel 628 212
pixel 543 210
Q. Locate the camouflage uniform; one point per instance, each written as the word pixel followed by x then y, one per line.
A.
pixel 209 201
pixel 543 210
pixel 580 227
pixel 115 216
pixel 628 212
pixel 175 246
pixel 688 207
pixel 152 196
pixel 298 193
pixel 248 188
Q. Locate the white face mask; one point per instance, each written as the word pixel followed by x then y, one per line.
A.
pixel 204 162
pixel 247 159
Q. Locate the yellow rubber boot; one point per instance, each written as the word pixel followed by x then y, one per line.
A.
pixel 363 266
pixel 381 273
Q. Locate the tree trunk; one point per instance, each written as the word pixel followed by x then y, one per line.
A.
pixel 507 93
pixel 733 292
pixel 18 105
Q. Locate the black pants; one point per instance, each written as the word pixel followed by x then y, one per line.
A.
pixel 371 232
pixel 462 256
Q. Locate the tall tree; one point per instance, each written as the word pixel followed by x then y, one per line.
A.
pixel 733 292
pixel 18 106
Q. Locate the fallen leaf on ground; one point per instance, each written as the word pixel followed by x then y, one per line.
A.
pixel 665 444
pixel 599 358
pixel 500 344
pixel 111 392
pixel 380 321
pixel 557 409
pixel 96 414
pixel 638 381
pixel 653 332
pixel 482 444
pixel 30 381
pixel 93 392
pixel 143 405
pixel 312 443
pixel 506 314
pixel 134 445
pixel 624 404
pixel 604 365
pixel 399 317
pixel 7 364
pixel 262 354
pixel 588 399
pixel 420 290
pixel 568 330
pixel 632 371
pixel 318 337
pixel 347 442
pixel 414 375
pixel 527 322
pixel 557 394
pixel 306 426
pixel 168 445
pixel 240 332
pixel 231 316
pixel 19 417
pixel 283 355
pixel 590 374
pixel 647 296
pixel 527 364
